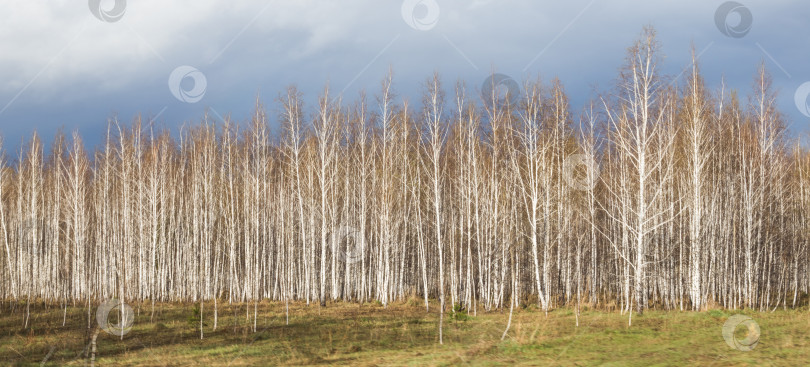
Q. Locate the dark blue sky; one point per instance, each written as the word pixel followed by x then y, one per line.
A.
pixel 76 64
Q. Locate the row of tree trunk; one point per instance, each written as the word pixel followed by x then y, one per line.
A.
pixel 660 193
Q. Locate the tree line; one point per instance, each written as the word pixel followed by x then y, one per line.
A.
pixel 660 193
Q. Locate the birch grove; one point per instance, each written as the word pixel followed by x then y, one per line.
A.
pixel 699 198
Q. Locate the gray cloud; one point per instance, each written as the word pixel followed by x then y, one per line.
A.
pixel 62 66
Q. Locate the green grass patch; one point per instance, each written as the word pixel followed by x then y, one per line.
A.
pixel 400 334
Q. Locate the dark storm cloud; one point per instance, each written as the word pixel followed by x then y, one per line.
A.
pixel 64 66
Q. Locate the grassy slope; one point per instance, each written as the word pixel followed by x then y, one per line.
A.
pixel 351 334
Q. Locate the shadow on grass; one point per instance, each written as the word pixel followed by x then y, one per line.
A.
pixel 353 334
pixel 315 335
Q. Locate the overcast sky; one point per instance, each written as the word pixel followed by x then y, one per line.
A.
pixel 76 64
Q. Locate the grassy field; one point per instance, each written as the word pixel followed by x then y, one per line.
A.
pixel 401 334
